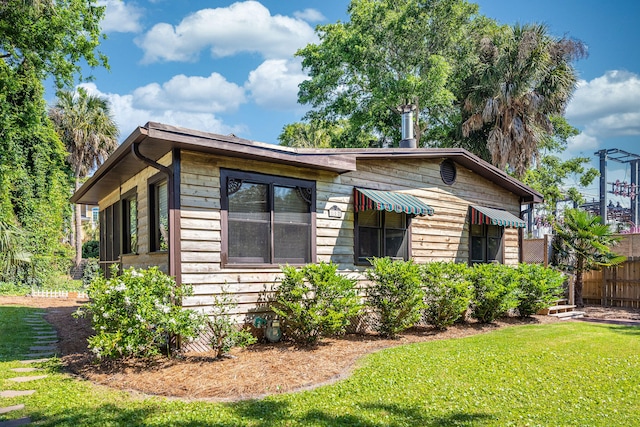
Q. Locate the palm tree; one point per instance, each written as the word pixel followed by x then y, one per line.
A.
pixel 523 77
pixel 582 244
pixel 89 133
pixel 12 254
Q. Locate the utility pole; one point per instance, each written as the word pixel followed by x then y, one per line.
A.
pixel 603 185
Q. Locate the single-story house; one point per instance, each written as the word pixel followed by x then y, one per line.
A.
pixel 218 211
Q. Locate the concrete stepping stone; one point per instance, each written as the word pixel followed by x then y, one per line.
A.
pixel 47 342
pixel 16 423
pixel 42 347
pixel 11 408
pixel 26 362
pixel 25 369
pixel 45 335
pixel 39 356
pixel 27 379
pixel 16 393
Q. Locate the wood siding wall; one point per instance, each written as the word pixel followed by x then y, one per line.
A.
pixel 443 236
pixel 142 258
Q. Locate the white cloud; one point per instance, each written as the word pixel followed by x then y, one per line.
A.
pixel 211 94
pixel 582 142
pixel 129 114
pixel 608 105
pixel 274 84
pixel 243 27
pixel 605 107
pixel 309 15
pixel 120 17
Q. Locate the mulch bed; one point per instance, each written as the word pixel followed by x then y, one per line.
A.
pixel 260 370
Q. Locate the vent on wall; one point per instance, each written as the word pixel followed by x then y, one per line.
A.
pixel 448 171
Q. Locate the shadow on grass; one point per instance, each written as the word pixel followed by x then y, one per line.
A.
pixel 627 330
pixel 396 415
pixel 253 413
pixel 17 335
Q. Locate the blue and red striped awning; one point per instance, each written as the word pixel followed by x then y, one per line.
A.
pixel 492 216
pixel 389 201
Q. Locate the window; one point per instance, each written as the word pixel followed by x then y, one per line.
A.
pixel 109 237
pixel 159 198
pixel 486 243
pixel 267 219
pixel 95 216
pixel 381 234
pixel 129 223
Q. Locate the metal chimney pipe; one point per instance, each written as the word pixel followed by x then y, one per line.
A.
pixel 408 141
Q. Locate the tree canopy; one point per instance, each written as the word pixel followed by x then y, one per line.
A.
pixel 39 39
pixel 51 37
pixel 390 53
pixel 523 76
pixel 89 133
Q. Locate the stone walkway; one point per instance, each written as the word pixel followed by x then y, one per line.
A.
pixel 41 351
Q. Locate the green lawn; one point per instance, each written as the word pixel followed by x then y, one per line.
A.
pixel 564 374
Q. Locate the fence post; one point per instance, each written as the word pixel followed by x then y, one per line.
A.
pixel 603 300
pixel 572 289
pixel 546 250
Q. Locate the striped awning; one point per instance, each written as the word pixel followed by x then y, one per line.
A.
pixel 390 201
pixel 492 216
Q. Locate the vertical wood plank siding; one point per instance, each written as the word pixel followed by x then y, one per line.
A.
pixel 443 236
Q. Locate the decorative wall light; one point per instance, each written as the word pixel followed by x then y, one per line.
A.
pixel 335 212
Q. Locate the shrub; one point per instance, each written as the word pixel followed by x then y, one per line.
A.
pixel 538 287
pixel 224 333
pixel 493 291
pixel 91 249
pixel 8 288
pixel 315 301
pixel 91 271
pixel 395 295
pixel 448 292
pixel 135 314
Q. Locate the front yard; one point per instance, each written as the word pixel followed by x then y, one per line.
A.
pixel 564 373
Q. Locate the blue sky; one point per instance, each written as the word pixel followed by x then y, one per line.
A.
pixel 228 67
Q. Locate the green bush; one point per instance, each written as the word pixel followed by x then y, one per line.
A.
pixel 448 292
pixel 494 293
pixel 91 249
pixel 91 271
pixel 8 288
pixel 538 288
pixel 315 301
pixel 395 295
pixel 136 314
pixel 224 333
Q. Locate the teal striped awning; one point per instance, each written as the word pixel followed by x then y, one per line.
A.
pixel 492 216
pixel 389 201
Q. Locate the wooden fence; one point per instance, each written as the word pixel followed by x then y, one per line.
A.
pixel 614 286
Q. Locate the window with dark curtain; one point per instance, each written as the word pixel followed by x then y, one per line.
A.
pixel 268 219
pixel 486 243
pixel 381 234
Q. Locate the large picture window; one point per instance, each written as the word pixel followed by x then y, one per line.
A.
pixel 486 243
pixel 159 199
pixel 381 234
pixel 267 219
